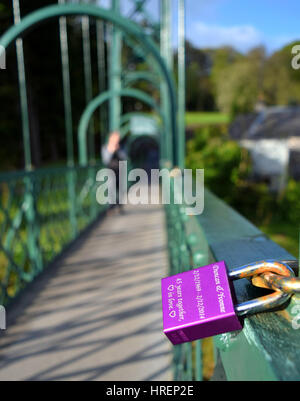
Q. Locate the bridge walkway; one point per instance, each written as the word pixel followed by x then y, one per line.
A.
pixel 95 314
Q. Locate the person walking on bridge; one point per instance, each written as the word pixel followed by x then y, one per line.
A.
pixel 112 154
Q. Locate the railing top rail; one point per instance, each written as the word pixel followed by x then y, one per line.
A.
pixel 268 347
pixel 19 174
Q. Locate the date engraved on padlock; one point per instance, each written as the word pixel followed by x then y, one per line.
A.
pixel 198 304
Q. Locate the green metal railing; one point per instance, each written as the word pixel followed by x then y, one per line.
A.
pixel 43 210
pixel 36 223
pixel 268 346
pixel 187 248
pixel 168 94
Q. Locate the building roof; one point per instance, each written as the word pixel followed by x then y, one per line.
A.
pixel 272 122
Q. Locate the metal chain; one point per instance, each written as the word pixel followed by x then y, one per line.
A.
pixel 288 284
pixel 255 270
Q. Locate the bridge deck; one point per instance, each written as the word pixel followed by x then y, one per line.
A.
pixel 95 314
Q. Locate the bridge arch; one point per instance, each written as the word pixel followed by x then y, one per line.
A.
pixel 124 24
pixel 97 102
pixel 136 76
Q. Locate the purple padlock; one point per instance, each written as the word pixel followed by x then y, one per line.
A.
pixel 198 304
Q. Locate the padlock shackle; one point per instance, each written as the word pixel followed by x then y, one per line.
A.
pixel 253 269
pixel 262 304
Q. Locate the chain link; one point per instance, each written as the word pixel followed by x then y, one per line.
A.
pixel 256 270
pixel 288 284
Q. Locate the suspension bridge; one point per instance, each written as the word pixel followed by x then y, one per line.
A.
pixel 81 283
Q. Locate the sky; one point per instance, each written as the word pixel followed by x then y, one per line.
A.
pixel 242 24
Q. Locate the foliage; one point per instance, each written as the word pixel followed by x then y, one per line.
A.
pixel 281 83
pixel 238 82
pixel 290 202
pixel 227 169
pixel 199 86
pixel 222 159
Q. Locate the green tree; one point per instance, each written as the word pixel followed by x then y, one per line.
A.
pixel 238 80
pixel 199 88
pixel 281 82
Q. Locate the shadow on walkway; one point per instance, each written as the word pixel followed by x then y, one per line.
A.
pixel 95 314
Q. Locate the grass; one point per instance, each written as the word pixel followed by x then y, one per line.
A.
pixel 195 118
pixel 284 234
